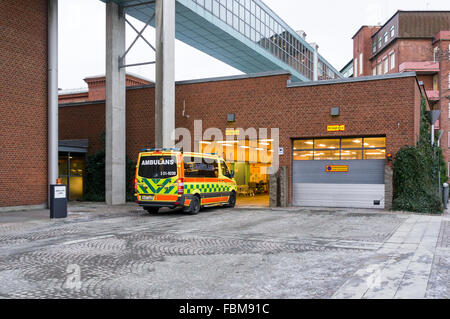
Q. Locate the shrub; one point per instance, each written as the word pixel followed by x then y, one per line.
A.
pixel 416 174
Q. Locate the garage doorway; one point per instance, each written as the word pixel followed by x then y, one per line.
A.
pixel 250 160
pixel 339 172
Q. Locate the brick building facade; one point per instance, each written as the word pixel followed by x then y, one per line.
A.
pixel 417 41
pixel 23 103
pixel 383 106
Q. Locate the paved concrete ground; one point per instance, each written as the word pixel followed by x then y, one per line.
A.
pixel 122 252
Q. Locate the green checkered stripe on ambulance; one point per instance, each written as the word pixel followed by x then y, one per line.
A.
pixel 165 186
pixel 206 188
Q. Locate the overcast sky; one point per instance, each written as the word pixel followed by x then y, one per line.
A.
pixel 329 23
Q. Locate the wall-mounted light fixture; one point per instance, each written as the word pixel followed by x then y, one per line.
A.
pixel 334 111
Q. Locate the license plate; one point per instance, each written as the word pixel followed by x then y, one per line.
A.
pixel 147 197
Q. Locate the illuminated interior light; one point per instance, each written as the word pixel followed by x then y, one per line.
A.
pixel 204 142
pixel 267 140
pixel 269 144
pixel 309 143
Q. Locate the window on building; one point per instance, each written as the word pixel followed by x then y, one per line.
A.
pixel 385 65
pixel 448 139
pixel 435 53
pixel 379 72
pixel 435 82
pixel 353 148
pixel 360 63
pixel 392 31
pixel 374 46
pixel 374 70
pixel 392 59
pixel 386 37
pixel 355 67
pixel 379 43
pixel 449 110
pixel 449 80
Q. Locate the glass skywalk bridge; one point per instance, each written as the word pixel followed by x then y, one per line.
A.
pixel 245 34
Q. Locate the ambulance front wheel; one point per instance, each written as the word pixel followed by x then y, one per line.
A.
pixel 232 200
pixel 152 210
pixel 194 206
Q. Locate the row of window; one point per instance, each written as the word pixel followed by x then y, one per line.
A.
pixel 385 65
pixel 385 38
pixel 354 148
pixel 251 20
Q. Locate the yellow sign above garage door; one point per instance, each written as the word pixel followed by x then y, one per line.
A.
pixel 335 128
pixel 336 168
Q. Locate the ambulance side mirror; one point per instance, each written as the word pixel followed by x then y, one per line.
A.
pixel 232 174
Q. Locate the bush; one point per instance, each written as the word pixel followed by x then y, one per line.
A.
pixel 415 174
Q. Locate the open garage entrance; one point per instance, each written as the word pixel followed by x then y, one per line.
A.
pixel 250 161
pixel 339 172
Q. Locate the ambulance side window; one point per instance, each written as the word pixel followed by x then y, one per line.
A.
pixel 196 167
pixel 225 171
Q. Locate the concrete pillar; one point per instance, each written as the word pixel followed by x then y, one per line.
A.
pixel 165 74
pixel 388 187
pixel 315 61
pixel 115 148
pixel 52 91
pixel 273 190
pixel 284 186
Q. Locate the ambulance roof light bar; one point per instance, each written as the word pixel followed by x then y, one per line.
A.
pixel 161 149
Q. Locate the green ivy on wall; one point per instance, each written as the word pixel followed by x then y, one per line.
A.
pixel 416 185
pixel 95 176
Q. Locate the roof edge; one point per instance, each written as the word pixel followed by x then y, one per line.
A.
pixel 358 79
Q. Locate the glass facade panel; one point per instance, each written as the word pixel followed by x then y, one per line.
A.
pixel 351 155
pixel 251 20
pixel 346 148
pixel 351 142
pixel 326 144
pixel 303 156
pixel 374 154
pixel 326 155
pixel 303 144
pixel 374 142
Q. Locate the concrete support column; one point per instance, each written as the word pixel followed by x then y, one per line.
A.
pixel 165 74
pixel 315 61
pixel 115 148
pixel 284 186
pixel 52 91
pixel 273 190
pixel 388 187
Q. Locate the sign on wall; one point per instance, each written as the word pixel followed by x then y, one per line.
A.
pixel 335 128
pixel 336 168
pixel 232 132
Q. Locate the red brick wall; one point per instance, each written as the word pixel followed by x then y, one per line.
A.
pixel 23 102
pixel 362 43
pixel 83 122
pixel 383 107
pixel 445 97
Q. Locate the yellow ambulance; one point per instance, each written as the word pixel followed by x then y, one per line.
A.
pixel 171 178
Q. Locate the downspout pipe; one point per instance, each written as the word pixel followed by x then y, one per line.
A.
pixel 52 92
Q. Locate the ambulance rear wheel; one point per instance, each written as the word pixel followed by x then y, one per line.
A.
pixel 194 206
pixel 152 210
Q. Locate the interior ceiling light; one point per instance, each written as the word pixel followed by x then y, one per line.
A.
pixel 309 143
pixel 205 142
pixel 243 146
pixel 232 141
pixel 267 140
pixel 269 144
pixel 227 144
